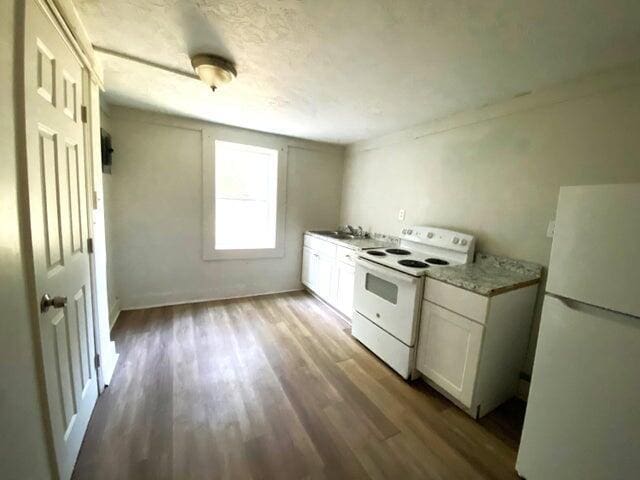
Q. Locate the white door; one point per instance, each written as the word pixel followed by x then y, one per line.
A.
pixel 59 229
pixel 449 350
pixel 344 279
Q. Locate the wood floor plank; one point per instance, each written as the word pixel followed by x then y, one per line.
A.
pixel 275 387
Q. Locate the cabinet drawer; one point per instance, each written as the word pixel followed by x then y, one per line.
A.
pixel 458 300
pixel 328 249
pixel 345 255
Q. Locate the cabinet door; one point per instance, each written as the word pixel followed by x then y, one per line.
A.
pixel 306 266
pixel 323 271
pixel 449 350
pixel 344 279
pixel 310 268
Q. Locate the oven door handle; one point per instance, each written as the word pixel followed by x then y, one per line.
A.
pixel 386 271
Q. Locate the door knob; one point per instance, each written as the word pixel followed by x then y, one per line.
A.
pixel 47 302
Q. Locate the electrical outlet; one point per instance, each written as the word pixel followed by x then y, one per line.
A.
pixel 551 228
pixel 401 214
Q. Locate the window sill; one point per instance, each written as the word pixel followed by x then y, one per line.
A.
pixel 255 254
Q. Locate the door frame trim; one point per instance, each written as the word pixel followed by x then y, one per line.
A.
pixel 88 131
pixel 71 28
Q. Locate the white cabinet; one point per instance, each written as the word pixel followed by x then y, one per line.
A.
pixel 472 347
pixel 343 287
pixel 317 272
pixel 449 350
pixel 324 275
pixel 328 271
pixel 309 268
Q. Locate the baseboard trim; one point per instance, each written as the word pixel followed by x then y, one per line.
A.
pixel 208 299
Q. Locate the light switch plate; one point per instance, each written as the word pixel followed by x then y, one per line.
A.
pixel 401 214
pixel 551 228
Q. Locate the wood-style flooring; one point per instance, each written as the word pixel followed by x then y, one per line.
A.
pixel 274 387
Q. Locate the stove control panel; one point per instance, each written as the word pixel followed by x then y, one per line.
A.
pixel 440 237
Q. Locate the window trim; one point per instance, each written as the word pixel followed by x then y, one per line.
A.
pixel 209 136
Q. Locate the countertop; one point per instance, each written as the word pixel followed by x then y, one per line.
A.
pixel 354 243
pixel 489 275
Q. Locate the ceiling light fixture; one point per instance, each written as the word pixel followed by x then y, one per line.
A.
pixel 213 70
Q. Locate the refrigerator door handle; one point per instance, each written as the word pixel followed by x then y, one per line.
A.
pixel 589 308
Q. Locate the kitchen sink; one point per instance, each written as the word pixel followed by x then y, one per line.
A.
pixel 335 234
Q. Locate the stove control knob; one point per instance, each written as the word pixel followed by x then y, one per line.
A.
pixel 409 231
pixel 456 240
pixel 463 242
pixel 404 231
pixel 430 235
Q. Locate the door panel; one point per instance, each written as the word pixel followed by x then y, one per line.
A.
pixel 70 96
pixel 49 165
pixel 59 229
pixel 76 192
pixel 83 340
pixel 449 350
pixel 45 73
pixel 62 355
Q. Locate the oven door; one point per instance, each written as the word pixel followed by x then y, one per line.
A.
pixel 388 298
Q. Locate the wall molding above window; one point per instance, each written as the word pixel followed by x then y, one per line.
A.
pixel 254 139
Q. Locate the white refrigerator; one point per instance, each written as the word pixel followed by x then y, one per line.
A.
pixel 583 414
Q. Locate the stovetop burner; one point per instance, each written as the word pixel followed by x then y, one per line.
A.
pixel 412 263
pixel 436 261
pixel 377 253
pixel 398 251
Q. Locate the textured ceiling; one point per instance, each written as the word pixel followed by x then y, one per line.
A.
pixel 345 70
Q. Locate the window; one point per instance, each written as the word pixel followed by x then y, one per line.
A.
pixel 243 200
pixel 246 188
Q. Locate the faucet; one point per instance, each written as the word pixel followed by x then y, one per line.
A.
pixel 356 232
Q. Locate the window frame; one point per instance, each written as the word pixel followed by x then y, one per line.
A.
pixel 209 136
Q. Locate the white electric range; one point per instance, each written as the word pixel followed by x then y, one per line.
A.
pixel 389 286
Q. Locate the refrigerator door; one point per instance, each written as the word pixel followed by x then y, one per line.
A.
pixel 595 256
pixel 583 413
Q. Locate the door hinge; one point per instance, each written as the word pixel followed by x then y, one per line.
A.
pixel 90 245
pixel 83 114
pixel 96 360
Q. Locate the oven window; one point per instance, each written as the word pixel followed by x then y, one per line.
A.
pixel 382 288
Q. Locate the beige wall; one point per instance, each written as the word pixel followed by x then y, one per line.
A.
pixel 23 446
pixel 496 172
pixel 157 212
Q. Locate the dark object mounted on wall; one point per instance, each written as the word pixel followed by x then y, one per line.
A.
pixel 105 143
